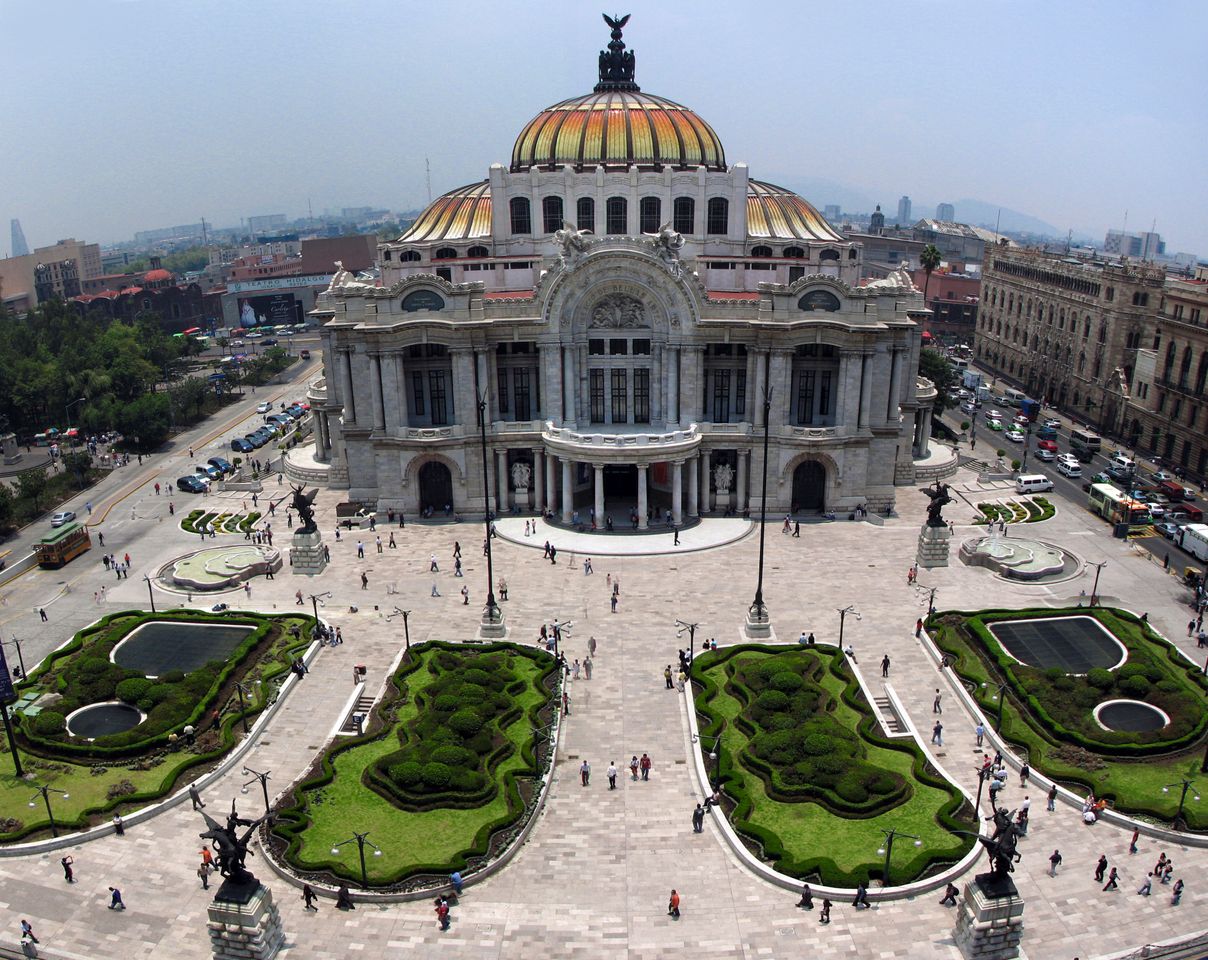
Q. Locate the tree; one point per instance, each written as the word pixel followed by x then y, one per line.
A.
pixel 145 422
pixel 78 463
pixel 31 484
pixel 936 368
pixel 7 507
pixel 929 259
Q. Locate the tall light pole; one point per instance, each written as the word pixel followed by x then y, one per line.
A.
pixel 887 849
pixel 263 778
pixel 1186 785
pixel 67 409
pixel 757 614
pixel 150 592
pixel 44 793
pixel 1001 697
pixel 20 659
pixel 243 689
pixel 361 840
pixel 842 617
pixel 406 630
pixel 491 614
pixel 315 598
pixel 1095 589
pixel 691 628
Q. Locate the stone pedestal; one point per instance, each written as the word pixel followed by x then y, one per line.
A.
pixel 757 629
pixel 522 500
pixel 933 546
pixel 9 448
pixel 306 554
pixel 244 923
pixel 989 923
pixel 492 628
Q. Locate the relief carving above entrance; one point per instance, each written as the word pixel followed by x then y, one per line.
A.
pixel 618 311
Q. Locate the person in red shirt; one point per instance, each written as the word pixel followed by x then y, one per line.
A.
pixel 645 765
pixel 673 905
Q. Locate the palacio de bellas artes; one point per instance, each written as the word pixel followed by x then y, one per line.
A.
pixel 628 303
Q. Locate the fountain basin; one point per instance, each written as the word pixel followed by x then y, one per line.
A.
pixel 157 647
pixel 102 719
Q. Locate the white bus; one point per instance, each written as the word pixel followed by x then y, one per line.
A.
pixel 1012 397
pixel 1194 539
pixel 1085 444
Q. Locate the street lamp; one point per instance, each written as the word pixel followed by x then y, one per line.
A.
pixel 930 591
pixel 20 659
pixel 1001 697
pixel 715 749
pixel 984 773
pixel 565 625
pixel 315 600
pixel 44 793
pixel 887 849
pixel 67 409
pixel 842 617
pixel 406 629
pixel 361 840
pixel 263 778
pixel 1186 785
pixel 150 592
pixel 758 612
pixel 241 688
pixel 691 628
pixel 492 614
pixel 1095 589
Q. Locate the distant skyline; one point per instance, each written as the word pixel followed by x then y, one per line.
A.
pixel 136 114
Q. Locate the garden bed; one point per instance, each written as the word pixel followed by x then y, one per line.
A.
pixel 1023 510
pixel 140 764
pixel 198 521
pixel 446 768
pixel 1050 715
pixel 814 781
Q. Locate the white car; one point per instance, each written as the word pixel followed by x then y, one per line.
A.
pixel 264 407
pixel 1015 436
pixel 64 516
pixel 1053 422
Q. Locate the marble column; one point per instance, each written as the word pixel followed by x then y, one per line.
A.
pixel 465 404
pixel 346 395
pixel 706 498
pixel 568 385
pixel 742 482
pixel 481 384
pixel 643 504
pixel 400 378
pixel 866 365
pixel 694 486
pixel 656 384
pixel 671 377
pixel 677 492
pixel 320 438
pixel 551 484
pixel 501 480
pixel 842 399
pixel 568 492
pixel 702 388
pixel 599 491
pixel 375 391
pixel 895 386
pixel 538 502
pixel 761 374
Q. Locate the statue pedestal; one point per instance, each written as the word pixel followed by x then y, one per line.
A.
pixel 306 554
pixel 9 448
pixel 933 547
pixel 492 628
pixel 244 923
pixel 989 924
pixel 522 500
pixel 721 502
pixel 754 628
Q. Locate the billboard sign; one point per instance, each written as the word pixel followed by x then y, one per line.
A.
pixel 271 310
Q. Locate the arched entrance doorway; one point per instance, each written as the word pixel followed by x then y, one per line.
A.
pixel 435 486
pixel 809 486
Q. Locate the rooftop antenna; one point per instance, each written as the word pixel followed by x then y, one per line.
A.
pixel 310 209
pixel 428 177
pixel 1069 238
pixel 204 241
pixel 997 221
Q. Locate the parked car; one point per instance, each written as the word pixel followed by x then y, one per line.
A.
pixel 207 471
pixel 222 464
pixel 192 484
pixel 1161 477
pixel 62 517
pixel 264 407
pixel 1167 529
pixel 257 440
pixel 1015 436
pixel 242 445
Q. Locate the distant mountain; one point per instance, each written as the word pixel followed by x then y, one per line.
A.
pixel 980 213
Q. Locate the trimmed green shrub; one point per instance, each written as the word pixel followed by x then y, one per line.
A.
pixel 436 776
pixel 465 722
pixel 1103 679
pixel 49 723
pixel 132 689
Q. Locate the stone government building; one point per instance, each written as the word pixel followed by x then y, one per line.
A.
pixel 623 297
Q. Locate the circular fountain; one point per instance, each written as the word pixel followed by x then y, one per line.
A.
pixel 102 719
pixel 1130 716
pixel 220 568
pixel 1020 558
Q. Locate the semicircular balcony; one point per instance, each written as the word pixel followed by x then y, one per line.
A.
pixel 621 444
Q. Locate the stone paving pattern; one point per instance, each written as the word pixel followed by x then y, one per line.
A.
pixel 593 879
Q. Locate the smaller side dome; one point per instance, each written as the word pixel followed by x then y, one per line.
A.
pixel 779 214
pixel 461 214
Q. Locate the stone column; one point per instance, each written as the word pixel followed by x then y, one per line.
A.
pixel 749 413
pixel 551 484
pixel 702 384
pixel 671 377
pixel 400 377
pixel 344 363
pixel 599 492
pixel 895 386
pixel 842 393
pixel 742 481
pixel 656 384
pixel 375 391
pixel 568 492
pixel 760 384
pixel 694 486
pixel 643 505
pixel 706 498
pixel 501 480
pixel 568 385
pixel 320 436
pixel 481 384
pixel 866 364
pixel 538 479
pixel 465 404
pixel 677 492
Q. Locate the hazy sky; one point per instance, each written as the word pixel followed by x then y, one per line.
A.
pixel 123 115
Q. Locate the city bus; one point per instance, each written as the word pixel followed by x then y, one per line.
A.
pixel 62 545
pixel 1012 397
pixel 1084 444
pixel 1115 506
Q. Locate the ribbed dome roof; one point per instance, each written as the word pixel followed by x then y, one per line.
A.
pixel 461 214
pixel 779 214
pixel 617 128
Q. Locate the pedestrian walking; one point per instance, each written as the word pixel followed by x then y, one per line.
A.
pixel 1176 892
pixel 591 646
pixel 675 542
pixel 587 668
pixel 203 874
pixel 645 764
pixel 980 730
pixel 1160 865
pixel 456 549
pixel 432 567
pixel 612 774
pixel 918 627
pixel 861 899
pixel 457 567
pixel 824 916
pixel 379 544
pixel 1146 886
pixel 575 669
pixel 360 550
pixel 1051 804
pixel 1024 772
pixel 885 665
pixel 364 580
pixel 115 899
pixel 585 772
pixel 612 602
pixel 1111 880
pixel 27 932
pixel 935 704
pixel 42 614
pixel 698 819
pixel 68 873
pixel 309 897
pixel 1101 868
pixel 807 897
pixel 1168 872
pixel 435 592
pixel 565 704
pixel 1132 844
pixel 667 677
pixel 344 898
pixel 587 570
pixel 465 596
pixel 950 894
pixel 198 803
pixel 673 905
pixel 442 912
pixel 633 767
pixel 1054 862
pixel 391 544
pixel 457 882
pixel 937 734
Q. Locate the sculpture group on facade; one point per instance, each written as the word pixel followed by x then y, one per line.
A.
pixel 572 245
pixel 522 475
pixel 723 477
pixel 667 244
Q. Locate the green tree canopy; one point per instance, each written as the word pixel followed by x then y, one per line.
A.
pixel 939 370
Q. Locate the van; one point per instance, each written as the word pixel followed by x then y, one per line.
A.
pixel 1174 492
pixel 1121 464
pixel 1069 466
pixel 1033 483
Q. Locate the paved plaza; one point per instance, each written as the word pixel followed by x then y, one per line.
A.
pixel 593 879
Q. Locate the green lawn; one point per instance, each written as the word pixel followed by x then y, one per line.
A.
pixel 1133 786
pixel 436 839
pixel 806 839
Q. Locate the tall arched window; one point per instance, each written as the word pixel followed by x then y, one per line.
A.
pixel 444 253
pixel 685 215
pixel 651 209
pixel 478 252
pixel 522 218
pixel 761 251
pixel 796 253
pixel 719 216
pixel 585 214
pixel 409 256
pixel 617 215
pixel 551 214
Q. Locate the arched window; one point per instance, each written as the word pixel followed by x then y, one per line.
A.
pixel 796 253
pixel 852 254
pixel 617 211
pixel 684 210
pixel 719 217
pixel 828 255
pixel 585 214
pixel 478 252
pixel 444 253
pixel 551 214
pixel 409 256
pixel 761 251
pixel 1202 373
pixel 522 218
pixel 651 210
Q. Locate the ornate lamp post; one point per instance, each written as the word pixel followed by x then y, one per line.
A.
pixel 361 840
pixel 315 600
pixel 244 689
pixel 691 628
pixel 1001 697
pixel 44 793
pixel 150 592
pixel 263 778
pixel 887 849
pixel 1186 786
pixel 850 608
pixel 758 623
pixel 492 616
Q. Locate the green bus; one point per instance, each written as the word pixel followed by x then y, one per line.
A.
pixel 62 545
